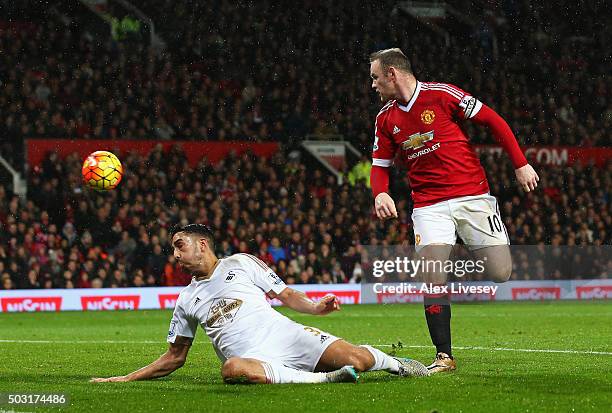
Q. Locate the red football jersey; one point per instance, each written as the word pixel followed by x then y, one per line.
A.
pixel 427 136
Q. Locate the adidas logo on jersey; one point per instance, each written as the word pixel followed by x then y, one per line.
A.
pixel 396 130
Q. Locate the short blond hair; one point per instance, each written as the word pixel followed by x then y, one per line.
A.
pixel 392 57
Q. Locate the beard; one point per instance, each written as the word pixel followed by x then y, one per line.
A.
pixel 193 268
pixel 185 268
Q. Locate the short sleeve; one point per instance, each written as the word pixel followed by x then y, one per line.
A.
pixel 181 324
pixel 263 276
pixel 461 103
pixel 384 148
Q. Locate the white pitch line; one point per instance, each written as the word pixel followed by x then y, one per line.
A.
pixel 469 348
pixel 521 350
pixel 80 342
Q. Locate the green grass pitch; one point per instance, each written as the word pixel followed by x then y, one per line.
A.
pixel 59 352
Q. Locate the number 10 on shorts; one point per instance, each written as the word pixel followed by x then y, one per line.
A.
pixel 494 223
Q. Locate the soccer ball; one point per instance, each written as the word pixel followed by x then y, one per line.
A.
pixel 102 171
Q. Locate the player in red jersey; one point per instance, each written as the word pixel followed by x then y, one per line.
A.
pixel 420 125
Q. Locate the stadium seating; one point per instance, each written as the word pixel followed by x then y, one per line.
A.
pixel 223 77
pixel 293 218
pixel 228 75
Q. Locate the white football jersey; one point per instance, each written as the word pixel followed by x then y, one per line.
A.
pixel 231 307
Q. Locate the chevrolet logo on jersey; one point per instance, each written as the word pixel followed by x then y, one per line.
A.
pixel 417 140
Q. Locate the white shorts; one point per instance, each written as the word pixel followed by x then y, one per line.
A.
pixel 294 345
pixel 475 219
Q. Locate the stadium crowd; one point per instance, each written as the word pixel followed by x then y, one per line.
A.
pixel 238 73
pixel 292 216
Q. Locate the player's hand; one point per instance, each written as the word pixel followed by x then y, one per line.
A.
pixel 327 304
pixel 385 206
pixel 527 178
pixel 116 379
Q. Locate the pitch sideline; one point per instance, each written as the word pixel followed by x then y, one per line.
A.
pixel 469 348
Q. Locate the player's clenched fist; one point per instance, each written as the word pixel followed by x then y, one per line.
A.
pixel 527 178
pixel 327 304
pixel 384 206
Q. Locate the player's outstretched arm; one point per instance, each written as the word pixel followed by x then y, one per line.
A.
pixel 525 174
pixel 168 362
pixel 298 301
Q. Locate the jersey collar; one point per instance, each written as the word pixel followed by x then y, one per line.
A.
pixel 194 280
pixel 413 99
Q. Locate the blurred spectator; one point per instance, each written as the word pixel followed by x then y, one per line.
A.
pixel 276 251
pixel 542 74
pixel 361 172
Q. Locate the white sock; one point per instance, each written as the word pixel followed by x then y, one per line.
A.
pixel 383 361
pixel 276 373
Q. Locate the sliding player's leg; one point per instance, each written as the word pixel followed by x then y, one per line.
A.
pixel 237 370
pixel 367 358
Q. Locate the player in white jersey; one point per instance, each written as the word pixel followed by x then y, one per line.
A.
pixel 256 343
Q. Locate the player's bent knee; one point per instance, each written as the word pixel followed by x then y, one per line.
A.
pixel 359 363
pixel 238 370
pixel 361 359
pixel 230 367
pixel 498 267
pixel 234 369
pixel 501 274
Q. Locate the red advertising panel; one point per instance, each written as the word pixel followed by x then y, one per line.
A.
pixel 557 155
pixel 399 298
pixel 345 297
pixel 416 297
pixel 30 304
pixel 594 292
pixel 536 293
pixel 110 302
pixel 167 301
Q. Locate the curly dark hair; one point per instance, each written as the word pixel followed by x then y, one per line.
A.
pixel 199 229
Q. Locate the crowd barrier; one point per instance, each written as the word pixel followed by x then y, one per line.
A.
pixel 38 149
